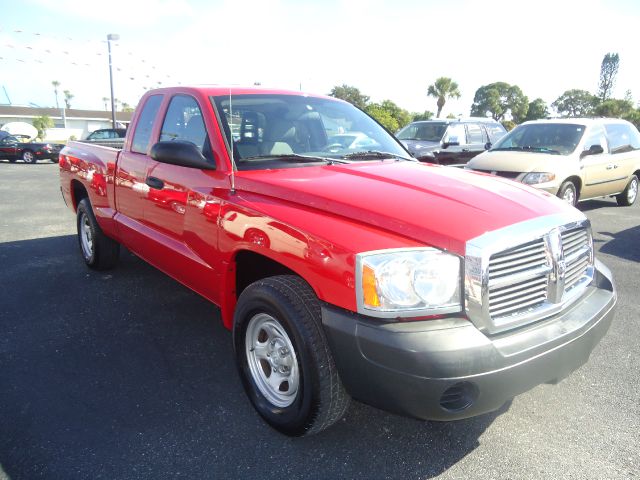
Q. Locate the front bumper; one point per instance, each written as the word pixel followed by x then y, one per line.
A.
pixel 448 369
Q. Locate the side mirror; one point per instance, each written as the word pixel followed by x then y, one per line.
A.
pixel 488 145
pixel 184 154
pixel 451 142
pixel 593 150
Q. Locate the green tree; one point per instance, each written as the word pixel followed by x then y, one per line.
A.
pixel 384 116
pixel 350 94
pixel 426 115
pixel 56 84
pixel 500 99
pixel 537 110
pixel 575 103
pixel 442 89
pixel 67 98
pixel 389 114
pixel 41 124
pixel 402 116
pixel 614 108
pixel 508 125
pixel 608 71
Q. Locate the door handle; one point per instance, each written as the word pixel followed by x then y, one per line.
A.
pixel 154 182
pixel 465 149
pixel 610 167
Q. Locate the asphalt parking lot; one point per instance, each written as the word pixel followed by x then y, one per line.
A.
pixel 127 374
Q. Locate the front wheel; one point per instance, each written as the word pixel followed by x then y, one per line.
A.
pixel 29 157
pixel 284 361
pixel 568 193
pixel 629 195
pixel 99 251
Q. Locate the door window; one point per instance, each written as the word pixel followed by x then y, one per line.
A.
pixel 596 137
pixel 475 133
pixel 142 135
pixel 622 137
pixel 184 122
pixel 455 134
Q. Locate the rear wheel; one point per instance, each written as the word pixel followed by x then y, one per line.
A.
pixel 99 251
pixel 29 157
pixel 283 357
pixel 629 195
pixel 568 193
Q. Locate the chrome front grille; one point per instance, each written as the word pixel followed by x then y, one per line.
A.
pixel 519 275
pixel 518 279
pixel 576 245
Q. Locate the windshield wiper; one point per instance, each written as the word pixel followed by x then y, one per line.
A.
pixel 294 157
pixel 527 148
pixel 374 155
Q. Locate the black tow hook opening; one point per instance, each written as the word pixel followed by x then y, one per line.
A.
pixel 459 397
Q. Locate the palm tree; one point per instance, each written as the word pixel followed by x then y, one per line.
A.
pixel 442 89
pixel 67 98
pixel 56 84
pixel 105 100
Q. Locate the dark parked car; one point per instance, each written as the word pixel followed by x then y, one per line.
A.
pixel 450 141
pixel 13 147
pixel 106 134
pixel 107 137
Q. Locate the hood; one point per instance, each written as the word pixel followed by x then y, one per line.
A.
pixel 504 161
pixel 438 206
pixel 417 147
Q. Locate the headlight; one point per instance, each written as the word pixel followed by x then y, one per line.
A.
pixel 534 178
pixel 408 283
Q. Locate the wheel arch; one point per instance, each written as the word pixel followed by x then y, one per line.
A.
pixel 78 192
pixel 245 267
pixel 577 181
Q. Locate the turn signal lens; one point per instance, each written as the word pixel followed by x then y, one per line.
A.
pixel 369 292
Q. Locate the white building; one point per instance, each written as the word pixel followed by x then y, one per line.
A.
pixel 79 123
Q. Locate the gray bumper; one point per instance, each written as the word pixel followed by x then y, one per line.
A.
pixel 448 369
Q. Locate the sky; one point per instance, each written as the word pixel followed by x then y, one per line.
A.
pixel 388 50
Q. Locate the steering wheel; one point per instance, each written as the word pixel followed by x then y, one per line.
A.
pixel 332 147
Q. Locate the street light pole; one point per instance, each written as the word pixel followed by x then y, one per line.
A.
pixel 112 37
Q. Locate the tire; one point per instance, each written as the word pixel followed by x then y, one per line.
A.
pixel 29 157
pixel 279 342
pixel 630 194
pixel 99 251
pixel 568 193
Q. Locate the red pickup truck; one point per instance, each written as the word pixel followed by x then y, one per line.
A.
pixel 343 270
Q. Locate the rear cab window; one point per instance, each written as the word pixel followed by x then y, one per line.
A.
pixel 144 127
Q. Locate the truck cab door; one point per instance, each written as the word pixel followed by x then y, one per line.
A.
pixel 130 187
pixel 183 203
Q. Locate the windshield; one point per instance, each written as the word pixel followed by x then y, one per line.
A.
pixel 279 131
pixel 426 132
pixel 555 138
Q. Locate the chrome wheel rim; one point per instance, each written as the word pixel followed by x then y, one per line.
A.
pixel 272 360
pixel 86 237
pixel 28 157
pixel 569 196
pixel 632 193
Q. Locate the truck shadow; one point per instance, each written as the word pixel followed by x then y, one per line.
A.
pixel 127 374
pixel 624 244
